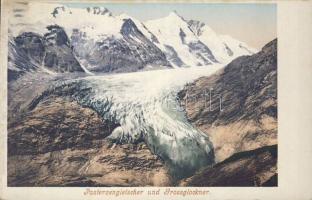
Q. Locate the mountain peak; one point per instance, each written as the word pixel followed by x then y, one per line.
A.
pixel 124 16
pixel 174 14
pixel 57 10
pixel 97 10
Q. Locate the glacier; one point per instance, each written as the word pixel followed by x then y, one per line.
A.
pixel 143 104
pixel 146 108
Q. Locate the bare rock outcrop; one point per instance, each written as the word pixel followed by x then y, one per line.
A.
pixel 61 143
pixel 246 89
pixel 250 168
pixel 31 52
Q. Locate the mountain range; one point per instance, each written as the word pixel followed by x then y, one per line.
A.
pixel 151 128
pixel 104 43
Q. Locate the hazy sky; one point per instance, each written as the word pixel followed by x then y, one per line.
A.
pixel 254 24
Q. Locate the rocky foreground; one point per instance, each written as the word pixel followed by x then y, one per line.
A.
pixel 248 90
pixel 60 143
pixel 243 129
pixel 249 168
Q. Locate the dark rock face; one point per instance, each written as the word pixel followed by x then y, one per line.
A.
pixel 30 51
pixel 247 90
pixel 32 45
pixel 182 36
pixel 196 26
pixel 202 52
pixel 173 57
pixel 98 11
pixel 250 168
pixel 59 55
pixel 130 53
pixel 57 10
pixel 228 50
pixel 19 62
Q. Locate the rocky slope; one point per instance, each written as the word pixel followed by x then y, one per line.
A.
pixel 128 53
pixel 180 44
pixel 225 48
pixel 246 89
pixel 60 143
pixel 32 52
pixel 249 168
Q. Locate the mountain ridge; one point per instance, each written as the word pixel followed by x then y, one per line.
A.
pixel 243 104
pixel 50 53
pixel 101 45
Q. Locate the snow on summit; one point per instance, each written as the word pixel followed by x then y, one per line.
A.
pixel 173 31
pixel 94 20
pixel 185 43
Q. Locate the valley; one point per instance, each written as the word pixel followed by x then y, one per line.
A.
pixel 113 101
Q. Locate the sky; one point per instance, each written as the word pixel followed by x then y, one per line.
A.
pixel 254 24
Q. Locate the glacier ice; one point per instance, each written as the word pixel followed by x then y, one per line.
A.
pixel 145 106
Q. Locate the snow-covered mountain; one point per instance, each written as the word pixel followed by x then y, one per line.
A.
pixel 181 45
pixel 224 47
pixel 50 53
pixel 103 42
